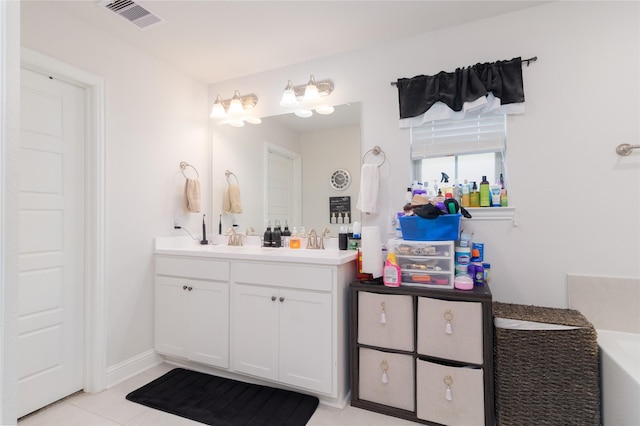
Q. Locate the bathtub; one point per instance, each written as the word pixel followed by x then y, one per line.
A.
pixel 620 377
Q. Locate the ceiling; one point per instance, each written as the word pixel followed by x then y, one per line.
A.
pixel 219 40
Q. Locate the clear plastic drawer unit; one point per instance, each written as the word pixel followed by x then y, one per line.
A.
pixel 424 263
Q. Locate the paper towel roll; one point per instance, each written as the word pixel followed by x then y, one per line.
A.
pixel 372 262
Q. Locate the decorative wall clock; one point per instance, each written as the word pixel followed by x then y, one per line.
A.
pixel 340 179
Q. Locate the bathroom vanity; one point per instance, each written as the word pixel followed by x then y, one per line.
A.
pixel 269 315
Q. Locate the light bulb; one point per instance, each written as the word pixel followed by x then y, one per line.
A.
pixel 304 113
pixel 236 123
pixel 253 120
pixel 325 109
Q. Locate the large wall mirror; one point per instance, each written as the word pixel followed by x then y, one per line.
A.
pixel 302 170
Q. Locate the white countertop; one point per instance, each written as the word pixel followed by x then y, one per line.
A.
pixel 186 246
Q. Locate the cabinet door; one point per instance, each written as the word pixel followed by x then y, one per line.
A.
pixel 255 330
pixel 208 322
pixel 305 339
pixel 171 296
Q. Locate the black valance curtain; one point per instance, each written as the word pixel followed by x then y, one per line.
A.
pixel 478 89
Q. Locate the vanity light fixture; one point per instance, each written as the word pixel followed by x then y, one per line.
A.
pixel 307 97
pixel 235 109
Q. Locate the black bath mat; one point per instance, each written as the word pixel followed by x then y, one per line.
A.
pixel 224 402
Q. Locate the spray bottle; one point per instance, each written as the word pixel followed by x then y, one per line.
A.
pixel 391 275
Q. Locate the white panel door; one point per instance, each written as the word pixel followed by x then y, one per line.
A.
pixel 279 187
pixel 50 324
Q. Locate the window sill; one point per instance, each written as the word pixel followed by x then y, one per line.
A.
pixel 491 213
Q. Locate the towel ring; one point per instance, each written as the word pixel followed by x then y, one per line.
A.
pixel 184 165
pixel 376 150
pixel 228 174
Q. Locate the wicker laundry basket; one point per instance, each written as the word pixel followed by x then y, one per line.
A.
pixel 546 377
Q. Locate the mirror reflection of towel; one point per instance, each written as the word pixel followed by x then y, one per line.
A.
pixel 369 185
pixel 192 195
pixel 231 203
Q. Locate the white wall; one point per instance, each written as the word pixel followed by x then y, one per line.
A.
pixel 155 118
pixel 322 153
pixel 577 202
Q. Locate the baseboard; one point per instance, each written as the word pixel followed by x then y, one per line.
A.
pixel 132 366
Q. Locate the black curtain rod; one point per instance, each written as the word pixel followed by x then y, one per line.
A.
pixel 528 61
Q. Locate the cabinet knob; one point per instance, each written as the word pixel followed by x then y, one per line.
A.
pixel 184 287
pixel 189 288
pixel 281 299
pixel 273 298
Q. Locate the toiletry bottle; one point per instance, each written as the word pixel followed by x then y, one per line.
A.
pixel 333 218
pixel 465 199
pixel 294 241
pixel 501 181
pixel 495 195
pixel 340 220
pixel 346 218
pixel 268 235
pixel 276 236
pixel 503 198
pixel 485 193
pixel 286 234
pixel 343 238
pixel 391 275
pixel 408 196
pixel 474 196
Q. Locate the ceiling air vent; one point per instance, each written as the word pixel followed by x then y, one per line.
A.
pixel 132 12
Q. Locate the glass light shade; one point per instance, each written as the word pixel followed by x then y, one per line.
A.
pixel 311 93
pixel 325 109
pixel 217 111
pixel 304 113
pixel 235 107
pixel 289 98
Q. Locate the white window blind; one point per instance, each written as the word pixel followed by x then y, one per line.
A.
pixel 457 137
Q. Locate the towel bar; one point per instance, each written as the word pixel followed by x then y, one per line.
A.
pixel 228 174
pixel 376 150
pixel 184 165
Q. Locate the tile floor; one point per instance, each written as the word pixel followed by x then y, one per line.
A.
pixel 110 408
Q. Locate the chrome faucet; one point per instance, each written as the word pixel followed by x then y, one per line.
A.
pixel 234 239
pixel 315 242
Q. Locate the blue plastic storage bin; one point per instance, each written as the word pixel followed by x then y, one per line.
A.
pixel 442 228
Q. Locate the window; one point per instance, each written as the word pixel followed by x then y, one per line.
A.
pixel 463 150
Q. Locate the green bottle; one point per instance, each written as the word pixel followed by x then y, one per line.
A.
pixel 485 193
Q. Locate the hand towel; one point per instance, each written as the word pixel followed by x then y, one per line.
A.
pixel 192 195
pixel 231 203
pixel 369 186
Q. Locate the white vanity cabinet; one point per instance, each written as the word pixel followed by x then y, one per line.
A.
pixel 283 323
pixel 283 334
pixel 192 310
pixel 272 316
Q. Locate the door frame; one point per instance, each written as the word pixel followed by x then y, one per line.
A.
pixel 95 337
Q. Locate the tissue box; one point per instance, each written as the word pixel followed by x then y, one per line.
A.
pixel 442 228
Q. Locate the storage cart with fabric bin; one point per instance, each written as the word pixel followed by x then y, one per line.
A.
pixel 546 366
